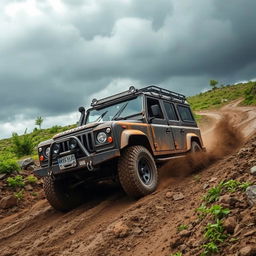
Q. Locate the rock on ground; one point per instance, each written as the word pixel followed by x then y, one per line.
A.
pixel 8 201
pixel 251 194
pixel 26 162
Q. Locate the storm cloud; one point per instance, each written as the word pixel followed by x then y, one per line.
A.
pixel 57 55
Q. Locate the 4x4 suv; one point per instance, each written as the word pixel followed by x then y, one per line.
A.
pixel 122 137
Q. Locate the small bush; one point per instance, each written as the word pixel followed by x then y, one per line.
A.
pixel 15 182
pixel 31 179
pixel 8 166
pixel 19 195
pixel 213 194
pixel 22 145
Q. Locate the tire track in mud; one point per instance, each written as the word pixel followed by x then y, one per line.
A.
pixel 41 230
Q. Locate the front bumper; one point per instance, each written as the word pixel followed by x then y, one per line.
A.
pixel 82 163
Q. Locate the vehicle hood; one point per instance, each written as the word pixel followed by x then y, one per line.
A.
pixel 77 129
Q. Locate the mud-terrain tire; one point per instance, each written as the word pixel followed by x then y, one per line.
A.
pixel 195 147
pixel 137 171
pixel 58 195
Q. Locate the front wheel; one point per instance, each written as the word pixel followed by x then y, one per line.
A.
pixel 60 195
pixel 137 171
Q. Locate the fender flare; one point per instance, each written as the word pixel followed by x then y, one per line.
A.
pixel 126 134
pixel 189 138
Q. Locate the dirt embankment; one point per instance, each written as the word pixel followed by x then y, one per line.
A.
pixel 112 224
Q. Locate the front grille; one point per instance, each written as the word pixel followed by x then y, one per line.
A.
pixel 85 138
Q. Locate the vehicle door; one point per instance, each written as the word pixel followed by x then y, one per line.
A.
pixel 161 132
pixel 175 125
pixel 187 124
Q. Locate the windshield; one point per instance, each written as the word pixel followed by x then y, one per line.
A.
pixel 117 111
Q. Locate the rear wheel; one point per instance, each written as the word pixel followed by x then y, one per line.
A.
pixel 137 171
pixel 60 195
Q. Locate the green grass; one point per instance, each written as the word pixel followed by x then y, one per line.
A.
pixel 8 152
pixel 221 96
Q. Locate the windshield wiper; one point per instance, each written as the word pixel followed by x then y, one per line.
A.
pixel 101 116
pixel 119 112
pixel 126 117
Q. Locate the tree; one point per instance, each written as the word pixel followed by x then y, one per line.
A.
pixel 39 121
pixel 213 84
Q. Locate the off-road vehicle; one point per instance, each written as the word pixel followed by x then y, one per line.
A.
pixel 123 137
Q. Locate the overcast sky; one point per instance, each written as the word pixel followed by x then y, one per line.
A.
pixel 56 55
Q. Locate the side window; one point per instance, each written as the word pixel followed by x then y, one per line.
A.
pixel 185 113
pixel 170 110
pixel 154 103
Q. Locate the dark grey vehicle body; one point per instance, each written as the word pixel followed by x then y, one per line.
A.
pixel 164 128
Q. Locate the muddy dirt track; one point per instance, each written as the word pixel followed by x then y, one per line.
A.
pixel 112 224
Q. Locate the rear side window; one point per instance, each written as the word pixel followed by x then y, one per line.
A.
pixel 185 114
pixel 170 110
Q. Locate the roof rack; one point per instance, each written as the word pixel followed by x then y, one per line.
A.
pixel 152 90
pixel 131 90
pixel 160 92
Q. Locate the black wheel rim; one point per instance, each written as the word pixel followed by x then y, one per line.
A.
pixel 145 171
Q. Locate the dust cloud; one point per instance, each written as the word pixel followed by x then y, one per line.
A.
pixel 221 141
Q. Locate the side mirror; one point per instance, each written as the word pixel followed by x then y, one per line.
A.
pixel 82 117
pixel 156 110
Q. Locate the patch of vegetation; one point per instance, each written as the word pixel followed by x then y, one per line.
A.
pixel 31 179
pixel 34 193
pixel 22 145
pixel 16 181
pixel 14 150
pixel 214 193
pixel 8 165
pixel 218 97
pixel 19 195
pixel 176 254
pixel 182 227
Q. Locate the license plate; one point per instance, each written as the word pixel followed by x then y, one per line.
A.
pixel 67 162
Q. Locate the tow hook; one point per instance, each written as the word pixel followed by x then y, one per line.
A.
pixel 90 166
pixel 50 173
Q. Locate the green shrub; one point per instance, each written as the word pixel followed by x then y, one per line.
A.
pixel 31 179
pixel 22 145
pixel 19 195
pixel 8 166
pixel 15 182
pixel 213 194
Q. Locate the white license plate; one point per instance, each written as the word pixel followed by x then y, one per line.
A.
pixel 67 162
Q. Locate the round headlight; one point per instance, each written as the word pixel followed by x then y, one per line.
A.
pixel 102 137
pixel 56 148
pixel 72 144
pixel 47 151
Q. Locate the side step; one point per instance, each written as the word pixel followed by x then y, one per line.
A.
pixel 164 159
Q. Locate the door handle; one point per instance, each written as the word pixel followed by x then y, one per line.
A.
pixel 168 130
pixel 182 130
